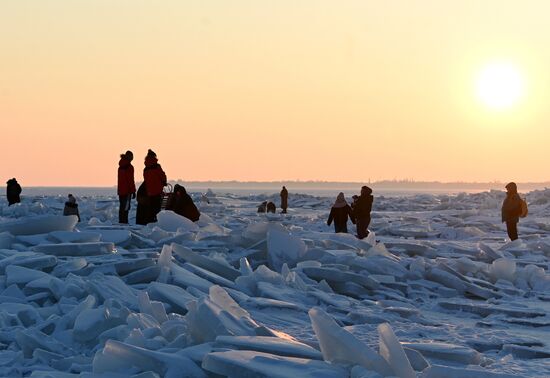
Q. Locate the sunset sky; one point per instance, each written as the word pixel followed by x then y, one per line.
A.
pixel 274 90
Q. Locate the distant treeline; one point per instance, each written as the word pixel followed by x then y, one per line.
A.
pixel 384 184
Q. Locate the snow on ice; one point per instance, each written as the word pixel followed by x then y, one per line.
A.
pixel 435 291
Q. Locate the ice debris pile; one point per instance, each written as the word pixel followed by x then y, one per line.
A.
pixel 436 292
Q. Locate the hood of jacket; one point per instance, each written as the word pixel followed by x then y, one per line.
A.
pixel 150 161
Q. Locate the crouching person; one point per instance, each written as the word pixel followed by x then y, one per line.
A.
pixel 71 207
pixel 181 203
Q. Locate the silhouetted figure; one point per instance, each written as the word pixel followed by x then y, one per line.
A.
pixel 270 207
pixel 181 203
pixel 340 212
pixel 71 207
pixel 284 199
pixel 155 181
pixel 143 209
pixel 361 212
pixel 355 197
pixel 126 185
pixel 263 207
pixel 511 210
pixel 13 191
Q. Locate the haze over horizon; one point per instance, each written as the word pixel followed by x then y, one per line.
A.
pixel 261 91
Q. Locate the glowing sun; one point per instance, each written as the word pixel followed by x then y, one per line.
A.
pixel 500 85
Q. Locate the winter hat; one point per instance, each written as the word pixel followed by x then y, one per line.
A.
pixel 512 187
pixel 340 201
pixel 72 199
pixel 151 153
pixel 365 189
pixel 129 155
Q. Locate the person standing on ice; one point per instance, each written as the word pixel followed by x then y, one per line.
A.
pixel 361 212
pixel 340 212
pixel 13 191
pixel 284 199
pixel 126 185
pixel 142 208
pixel 155 180
pixel 71 207
pixel 511 210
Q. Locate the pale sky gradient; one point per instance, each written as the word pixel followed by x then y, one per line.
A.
pixel 270 90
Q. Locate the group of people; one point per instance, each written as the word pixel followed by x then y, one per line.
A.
pixel 150 196
pixel 269 206
pixel 358 212
pixel 150 193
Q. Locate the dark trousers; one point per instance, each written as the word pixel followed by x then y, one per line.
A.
pixel 341 227
pixel 512 228
pixel 155 203
pixel 124 208
pixel 362 227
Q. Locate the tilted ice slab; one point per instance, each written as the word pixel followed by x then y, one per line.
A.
pixel 119 357
pixel 335 275
pixel 204 262
pixel 445 351
pixel 218 314
pixel 340 346
pixel 74 237
pixel 272 345
pixel 393 352
pixel 243 363
pixel 282 247
pixel 437 371
pixel 42 224
pixel 76 249
pixel 172 222
pixel 175 296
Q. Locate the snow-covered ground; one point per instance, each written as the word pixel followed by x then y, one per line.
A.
pixel 435 291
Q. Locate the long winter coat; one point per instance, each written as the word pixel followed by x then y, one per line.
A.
pixel 340 217
pixel 154 176
pixel 126 183
pixel 511 208
pixel 13 192
pixel 284 199
pixel 363 206
pixel 143 208
pixel 71 209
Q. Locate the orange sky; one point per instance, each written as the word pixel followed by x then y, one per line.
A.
pixel 258 90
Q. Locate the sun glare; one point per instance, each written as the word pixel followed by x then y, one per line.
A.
pixel 500 85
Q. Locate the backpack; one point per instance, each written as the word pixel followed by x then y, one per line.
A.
pixel 524 209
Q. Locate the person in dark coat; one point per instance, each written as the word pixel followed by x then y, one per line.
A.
pixel 263 207
pixel 339 213
pixel 181 203
pixel 71 207
pixel 143 209
pixel 511 210
pixel 271 208
pixel 155 180
pixel 361 211
pixel 284 199
pixel 126 188
pixel 13 191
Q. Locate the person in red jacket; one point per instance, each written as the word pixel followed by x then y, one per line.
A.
pixel 126 185
pixel 155 180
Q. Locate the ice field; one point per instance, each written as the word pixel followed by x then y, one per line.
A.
pixel 434 292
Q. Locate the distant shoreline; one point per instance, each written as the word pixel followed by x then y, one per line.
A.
pixel 379 185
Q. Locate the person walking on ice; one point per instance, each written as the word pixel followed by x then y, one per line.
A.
pixel 339 213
